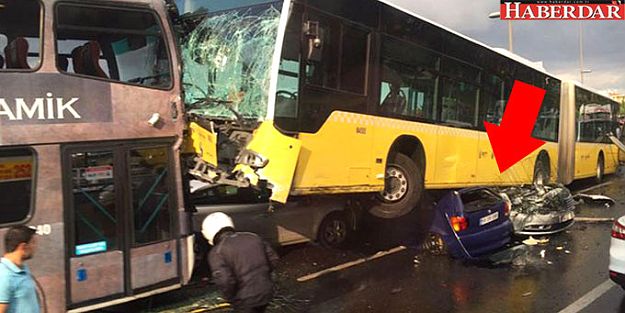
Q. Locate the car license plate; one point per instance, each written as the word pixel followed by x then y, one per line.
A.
pixel 489 218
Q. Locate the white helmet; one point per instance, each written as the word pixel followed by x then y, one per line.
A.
pixel 213 223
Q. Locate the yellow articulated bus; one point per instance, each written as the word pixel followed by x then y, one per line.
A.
pixel 317 98
pixel 588 119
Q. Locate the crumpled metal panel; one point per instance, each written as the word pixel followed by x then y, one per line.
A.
pixel 541 210
pixel 227 58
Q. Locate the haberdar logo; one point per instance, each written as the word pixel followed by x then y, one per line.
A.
pixel 563 10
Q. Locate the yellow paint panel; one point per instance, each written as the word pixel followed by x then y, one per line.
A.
pixel 340 154
pixel 348 154
pixel 203 143
pixel 282 152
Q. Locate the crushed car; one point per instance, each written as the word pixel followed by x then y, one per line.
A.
pixel 540 210
pixel 470 223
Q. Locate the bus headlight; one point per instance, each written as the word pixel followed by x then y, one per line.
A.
pixel 252 159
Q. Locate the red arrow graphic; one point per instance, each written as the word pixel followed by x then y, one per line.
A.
pixel 512 140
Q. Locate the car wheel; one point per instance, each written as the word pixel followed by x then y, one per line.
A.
pixel 435 244
pixel 334 230
pixel 403 187
pixel 600 171
pixel 541 172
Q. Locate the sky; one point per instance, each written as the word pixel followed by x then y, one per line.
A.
pixel 555 43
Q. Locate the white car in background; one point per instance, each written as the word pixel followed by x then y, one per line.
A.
pixel 617 252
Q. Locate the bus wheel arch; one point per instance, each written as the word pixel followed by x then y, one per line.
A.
pixel 600 170
pixel 404 179
pixel 542 169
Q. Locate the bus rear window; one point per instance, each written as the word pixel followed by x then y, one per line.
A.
pixel 479 199
pixel 16 185
pixel 20 34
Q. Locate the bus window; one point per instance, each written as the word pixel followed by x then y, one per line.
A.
pixel 548 121
pixel 408 80
pixel 116 44
pixel 322 62
pixel 94 197
pixel 287 107
pixel 338 59
pixel 20 34
pixel 493 99
pixel 16 185
pixel 150 194
pixel 459 94
pixel 595 116
pixel 353 60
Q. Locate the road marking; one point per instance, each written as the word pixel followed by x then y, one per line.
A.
pixel 595 187
pixel 350 264
pixel 589 298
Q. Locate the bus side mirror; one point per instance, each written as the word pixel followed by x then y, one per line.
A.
pixel 314 41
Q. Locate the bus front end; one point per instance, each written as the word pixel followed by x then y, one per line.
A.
pixel 230 55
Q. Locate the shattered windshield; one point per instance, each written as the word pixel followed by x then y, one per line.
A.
pixel 227 56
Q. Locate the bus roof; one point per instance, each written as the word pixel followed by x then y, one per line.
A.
pixel 506 53
pixel 595 91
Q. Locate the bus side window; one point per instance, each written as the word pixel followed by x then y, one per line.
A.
pixel 20 35
pixel 17 172
pixel 337 57
pixel 123 45
pixel 460 90
pixel 408 80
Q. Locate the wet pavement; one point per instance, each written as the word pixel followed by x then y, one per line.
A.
pixel 540 278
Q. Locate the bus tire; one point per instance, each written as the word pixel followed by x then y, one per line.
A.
pixel 600 172
pixel 403 188
pixel 334 230
pixel 541 172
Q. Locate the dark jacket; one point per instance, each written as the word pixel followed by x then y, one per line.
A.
pixel 241 265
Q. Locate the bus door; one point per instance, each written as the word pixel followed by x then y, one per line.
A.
pixel 120 204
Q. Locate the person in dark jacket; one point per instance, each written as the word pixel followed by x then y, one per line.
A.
pixel 241 264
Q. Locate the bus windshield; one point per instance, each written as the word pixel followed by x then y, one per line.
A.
pixel 227 52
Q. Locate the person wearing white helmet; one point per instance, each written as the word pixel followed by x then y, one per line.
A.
pixel 241 264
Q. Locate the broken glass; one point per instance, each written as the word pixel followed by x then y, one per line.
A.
pixel 227 62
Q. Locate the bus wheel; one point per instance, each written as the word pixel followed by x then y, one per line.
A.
pixel 541 172
pixel 333 230
pixel 403 186
pixel 600 168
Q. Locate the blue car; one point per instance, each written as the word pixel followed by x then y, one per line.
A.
pixel 471 222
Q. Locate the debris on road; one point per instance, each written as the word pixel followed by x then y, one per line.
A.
pixel 527 294
pixel 542 254
pixel 396 290
pixel 210 308
pixel 540 210
pixel 598 200
pixel 594 219
pixel 531 241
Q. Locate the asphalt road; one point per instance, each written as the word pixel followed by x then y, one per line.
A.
pixel 572 275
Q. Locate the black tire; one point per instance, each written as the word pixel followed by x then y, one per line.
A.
pixel 600 172
pixel 334 230
pixel 403 188
pixel 541 172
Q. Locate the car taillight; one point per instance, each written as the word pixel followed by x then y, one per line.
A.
pixel 506 208
pixel 459 223
pixel 618 230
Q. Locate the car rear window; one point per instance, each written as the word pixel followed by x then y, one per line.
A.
pixel 480 199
